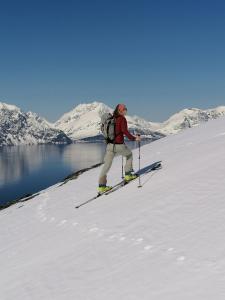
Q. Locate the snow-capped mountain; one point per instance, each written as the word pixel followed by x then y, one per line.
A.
pixel 83 122
pixel 188 118
pixel 18 127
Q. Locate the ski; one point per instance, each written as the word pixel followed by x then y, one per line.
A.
pixel 97 196
pixel 155 166
pixel 146 170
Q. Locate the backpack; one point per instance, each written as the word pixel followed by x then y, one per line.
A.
pixel 108 127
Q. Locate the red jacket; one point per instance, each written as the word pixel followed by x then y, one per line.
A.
pixel 121 129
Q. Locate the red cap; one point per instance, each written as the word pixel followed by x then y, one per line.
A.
pixel 122 107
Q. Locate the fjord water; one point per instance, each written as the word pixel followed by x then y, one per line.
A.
pixel 29 169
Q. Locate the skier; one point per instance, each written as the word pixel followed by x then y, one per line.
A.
pixel 118 147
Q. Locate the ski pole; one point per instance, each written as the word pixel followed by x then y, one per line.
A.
pixel 122 168
pixel 139 161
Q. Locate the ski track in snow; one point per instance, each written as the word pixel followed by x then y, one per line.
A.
pixel 143 247
pixel 41 211
pixel 108 237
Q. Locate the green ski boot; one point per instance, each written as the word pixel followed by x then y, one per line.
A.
pixel 104 188
pixel 129 176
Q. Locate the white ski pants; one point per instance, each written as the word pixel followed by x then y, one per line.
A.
pixel 111 151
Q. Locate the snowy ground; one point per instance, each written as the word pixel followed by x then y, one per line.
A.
pixel 163 241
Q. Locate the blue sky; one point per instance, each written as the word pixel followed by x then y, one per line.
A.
pixel 156 56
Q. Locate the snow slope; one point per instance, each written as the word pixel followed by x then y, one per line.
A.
pixel 159 242
pixel 18 127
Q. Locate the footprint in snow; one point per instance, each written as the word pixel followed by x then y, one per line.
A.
pixel 148 247
pixel 111 237
pixel 138 241
pixel 62 222
pixel 181 259
pixel 170 250
pixel 41 207
pixel 94 229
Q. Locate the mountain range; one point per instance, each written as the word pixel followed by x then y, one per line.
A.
pixel 83 123
pixel 18 127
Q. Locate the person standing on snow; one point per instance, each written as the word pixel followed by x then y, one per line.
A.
pixel 118 147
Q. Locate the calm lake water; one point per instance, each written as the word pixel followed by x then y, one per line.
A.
pixel 29 169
